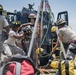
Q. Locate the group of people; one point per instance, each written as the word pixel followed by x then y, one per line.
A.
pixel 12 44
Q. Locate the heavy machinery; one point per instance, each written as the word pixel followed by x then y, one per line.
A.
pixel 20 15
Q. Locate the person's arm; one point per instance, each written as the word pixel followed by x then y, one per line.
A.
pixel 57 43
pixel 19 36
pixel 7 30
pixel 24 25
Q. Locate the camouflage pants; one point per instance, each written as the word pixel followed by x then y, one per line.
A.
pixel 70 54
pixel 1 46
pixel 12 50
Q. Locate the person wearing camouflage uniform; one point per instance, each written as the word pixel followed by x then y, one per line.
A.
pixel 10 47
pixel 68 38
pixel 3 25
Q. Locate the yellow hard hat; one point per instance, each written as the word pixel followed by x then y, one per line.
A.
pixel 54 64
pixel 53 29
pixel 39 50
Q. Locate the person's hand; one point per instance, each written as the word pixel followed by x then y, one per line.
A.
pixel 23 34
pixel 20 27
pixel 53 50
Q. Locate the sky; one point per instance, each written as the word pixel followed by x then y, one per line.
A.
pixel 56 7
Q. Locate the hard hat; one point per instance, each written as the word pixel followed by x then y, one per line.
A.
pixel 39 50
pixel 53 29
pixel 27 30
pixel 54 64
pixel 32 15
pixel 60 22
pixel 1 8
pixel 16 23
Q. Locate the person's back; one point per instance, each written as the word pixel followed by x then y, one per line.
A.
pixel 67 33
pixel 11 40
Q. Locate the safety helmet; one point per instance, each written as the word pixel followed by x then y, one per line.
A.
pixel 54 64
pixel 27 31
pixel 60 22
pixel 16 23
pixel 39 50
pixel 53 29
pixel 32 15
pixel 1 8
